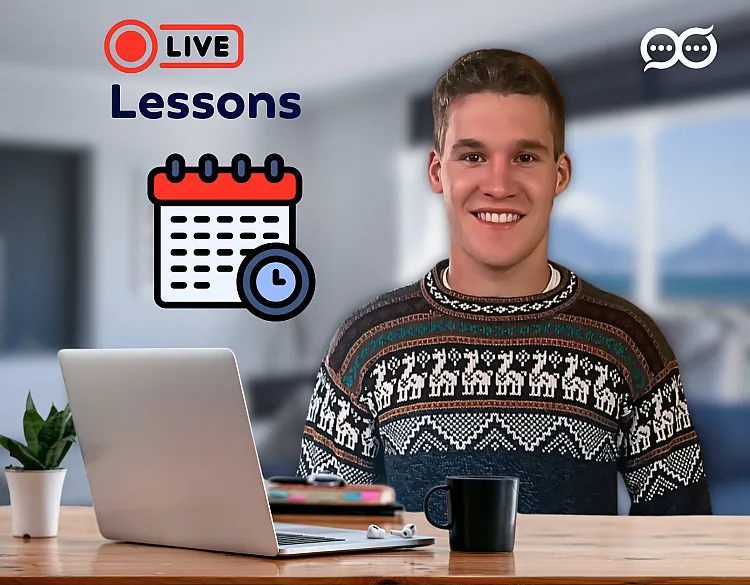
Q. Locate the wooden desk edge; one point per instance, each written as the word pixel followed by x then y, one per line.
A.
pixel 83 548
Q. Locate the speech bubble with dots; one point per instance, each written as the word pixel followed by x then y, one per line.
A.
pixel 661 48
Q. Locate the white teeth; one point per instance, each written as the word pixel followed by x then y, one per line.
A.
pixel 498 217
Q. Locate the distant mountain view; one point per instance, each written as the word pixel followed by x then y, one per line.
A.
pixel 716 253
pixel 572 246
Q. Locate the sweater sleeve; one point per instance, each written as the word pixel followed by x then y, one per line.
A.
pixel 340 434
pixel 661 456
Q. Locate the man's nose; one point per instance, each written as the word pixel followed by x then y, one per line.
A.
pixel 500 179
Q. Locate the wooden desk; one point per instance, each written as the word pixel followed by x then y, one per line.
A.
pixel 549 549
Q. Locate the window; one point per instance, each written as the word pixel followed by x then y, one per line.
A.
pixel 594 224
pixel 703 229
pixel 40 239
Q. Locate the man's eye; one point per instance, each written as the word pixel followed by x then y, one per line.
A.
pixel 529 158
pixel 473 157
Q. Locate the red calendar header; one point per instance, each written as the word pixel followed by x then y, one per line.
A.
pixel 225 188
pixel 209 183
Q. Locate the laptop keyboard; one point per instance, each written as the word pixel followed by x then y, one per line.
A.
pixel 289 539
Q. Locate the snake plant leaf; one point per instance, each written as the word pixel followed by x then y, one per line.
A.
pixel 21 453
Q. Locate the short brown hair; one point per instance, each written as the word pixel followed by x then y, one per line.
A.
pixel 500 71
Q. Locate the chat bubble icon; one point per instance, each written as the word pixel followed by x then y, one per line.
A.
pixel 653 53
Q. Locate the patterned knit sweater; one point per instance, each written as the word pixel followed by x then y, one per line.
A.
pixel 560 389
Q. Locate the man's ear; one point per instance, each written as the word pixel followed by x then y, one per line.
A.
pixel 433 172
pixel 564 173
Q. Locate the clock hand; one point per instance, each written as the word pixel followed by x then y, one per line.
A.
pixel 276 278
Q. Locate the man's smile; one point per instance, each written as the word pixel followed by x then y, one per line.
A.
pixel 497 220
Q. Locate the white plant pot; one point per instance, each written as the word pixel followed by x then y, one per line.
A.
pixel 35 501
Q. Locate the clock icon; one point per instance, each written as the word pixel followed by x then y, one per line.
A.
pixel 275 282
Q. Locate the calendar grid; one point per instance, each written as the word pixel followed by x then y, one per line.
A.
pixel 204 229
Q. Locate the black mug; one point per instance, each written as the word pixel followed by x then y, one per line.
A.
pixel 482 513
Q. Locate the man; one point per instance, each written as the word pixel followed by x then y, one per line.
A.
pixel 500 361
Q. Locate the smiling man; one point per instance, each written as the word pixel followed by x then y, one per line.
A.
pixel 500 361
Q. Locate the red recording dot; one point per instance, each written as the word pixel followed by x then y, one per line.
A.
pixel 130 46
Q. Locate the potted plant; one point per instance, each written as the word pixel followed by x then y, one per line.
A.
pixel 36 486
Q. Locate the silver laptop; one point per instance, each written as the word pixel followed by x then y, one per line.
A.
pixel 170 457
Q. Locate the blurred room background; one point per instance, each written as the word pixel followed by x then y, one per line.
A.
pixel 658 209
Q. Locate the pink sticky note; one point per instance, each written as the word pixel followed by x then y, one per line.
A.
pixel 296 499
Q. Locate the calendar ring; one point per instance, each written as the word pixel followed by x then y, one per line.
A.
pixel 275 282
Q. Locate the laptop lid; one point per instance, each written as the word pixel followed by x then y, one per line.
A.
pixel 168 448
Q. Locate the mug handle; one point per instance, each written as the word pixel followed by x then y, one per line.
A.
pixel 431 520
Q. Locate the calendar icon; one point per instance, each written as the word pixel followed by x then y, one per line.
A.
pixel 224 237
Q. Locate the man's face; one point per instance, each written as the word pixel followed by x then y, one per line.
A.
pixel 498 177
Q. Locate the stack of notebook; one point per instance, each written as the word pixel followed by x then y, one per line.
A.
pixel 310 498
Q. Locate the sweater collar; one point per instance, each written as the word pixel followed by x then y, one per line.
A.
pixel 460 304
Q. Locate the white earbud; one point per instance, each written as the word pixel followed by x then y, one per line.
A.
pixel 375 532
pixel 407 531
